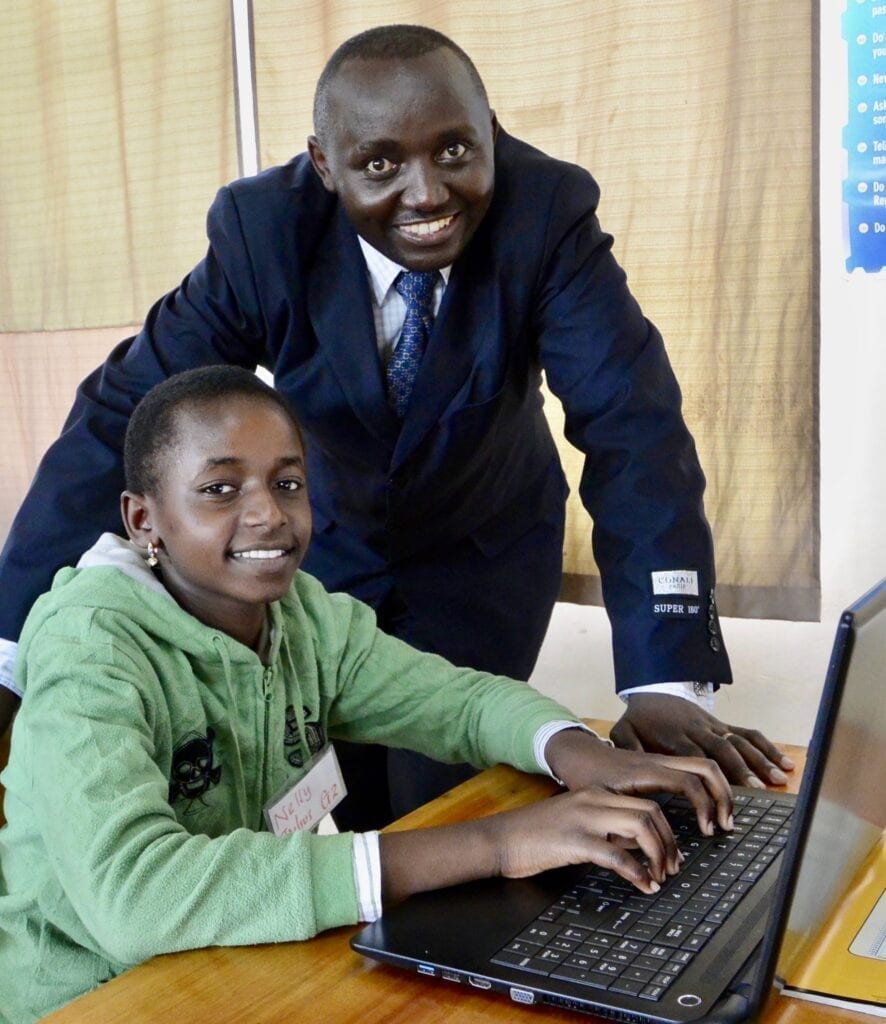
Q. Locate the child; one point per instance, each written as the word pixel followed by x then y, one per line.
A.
pixel 177 683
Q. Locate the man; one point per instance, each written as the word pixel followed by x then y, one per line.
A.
pixel 406 281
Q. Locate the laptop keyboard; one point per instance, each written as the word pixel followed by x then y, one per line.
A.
pixel 605 934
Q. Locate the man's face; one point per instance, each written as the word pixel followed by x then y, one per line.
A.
pixel 409 153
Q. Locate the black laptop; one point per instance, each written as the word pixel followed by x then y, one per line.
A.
pixel 707 946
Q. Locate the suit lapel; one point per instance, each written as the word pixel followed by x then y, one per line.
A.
pixel 340 308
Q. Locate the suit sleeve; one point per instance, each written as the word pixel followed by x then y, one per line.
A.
pixel 641 482
pixel 212 317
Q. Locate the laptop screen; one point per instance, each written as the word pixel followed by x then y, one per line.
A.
pixel 850 813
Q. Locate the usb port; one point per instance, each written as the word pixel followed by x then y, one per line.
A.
pixel 450 976
pixel 479 982
pixel 427 969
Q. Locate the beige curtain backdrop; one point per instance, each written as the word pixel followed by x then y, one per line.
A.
pixel 116 128
pixel 694 115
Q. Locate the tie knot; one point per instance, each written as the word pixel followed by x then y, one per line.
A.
pixel 417 288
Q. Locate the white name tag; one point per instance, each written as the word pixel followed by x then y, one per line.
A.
pixel 675 581
pixel 303 804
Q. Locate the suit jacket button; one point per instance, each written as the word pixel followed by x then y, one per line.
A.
pixel 715 644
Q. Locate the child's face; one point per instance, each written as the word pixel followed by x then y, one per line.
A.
pixel 232 516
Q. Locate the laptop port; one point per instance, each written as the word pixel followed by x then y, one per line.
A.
pixel 479 982
pixel 427 969
pixel 521 995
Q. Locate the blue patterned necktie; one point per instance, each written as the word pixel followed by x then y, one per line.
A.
pixel 417 289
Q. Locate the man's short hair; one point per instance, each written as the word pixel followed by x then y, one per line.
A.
pixel 396 42
pixel 153 427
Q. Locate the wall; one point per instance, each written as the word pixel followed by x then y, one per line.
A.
pixel 779 666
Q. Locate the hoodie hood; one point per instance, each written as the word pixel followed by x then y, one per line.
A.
pixel 113 575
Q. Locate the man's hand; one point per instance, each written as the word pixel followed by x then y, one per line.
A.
pixel 658 722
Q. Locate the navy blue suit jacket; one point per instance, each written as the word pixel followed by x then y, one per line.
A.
pixel 460 510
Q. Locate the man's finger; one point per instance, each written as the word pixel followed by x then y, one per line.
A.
pixel 769 750
pixel 758 764
pixel 721 749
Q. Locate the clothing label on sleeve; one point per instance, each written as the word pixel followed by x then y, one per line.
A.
pixel 301 805
pixel 675 608
pixel 675 581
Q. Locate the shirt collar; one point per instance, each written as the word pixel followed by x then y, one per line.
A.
pixel 383 272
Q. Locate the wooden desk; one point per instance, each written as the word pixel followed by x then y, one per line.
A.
pixel 323 980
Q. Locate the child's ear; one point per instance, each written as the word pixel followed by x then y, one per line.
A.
pixel 137 518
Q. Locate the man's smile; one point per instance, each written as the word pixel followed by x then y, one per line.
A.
pixel 427 229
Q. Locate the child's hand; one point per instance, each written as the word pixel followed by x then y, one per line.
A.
pixel 581 760
pixel 598 822
pixel 591 825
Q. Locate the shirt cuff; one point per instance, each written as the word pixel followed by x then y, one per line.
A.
pixel 544 735
pixel 367 875
pixel 8 649
pixel 701 694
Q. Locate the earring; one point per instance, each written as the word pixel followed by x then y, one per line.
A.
pixel 152 554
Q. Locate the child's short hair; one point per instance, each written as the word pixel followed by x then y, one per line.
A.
pixel 152 427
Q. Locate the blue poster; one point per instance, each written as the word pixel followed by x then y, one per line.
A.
pixel 864 137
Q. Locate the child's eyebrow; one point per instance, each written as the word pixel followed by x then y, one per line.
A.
pixel 232 460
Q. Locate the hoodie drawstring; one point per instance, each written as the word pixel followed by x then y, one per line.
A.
pixel 219 642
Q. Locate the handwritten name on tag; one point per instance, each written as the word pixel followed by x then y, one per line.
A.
pixel 303 804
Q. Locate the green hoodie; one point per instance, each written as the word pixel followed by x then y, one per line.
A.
pixel 147 745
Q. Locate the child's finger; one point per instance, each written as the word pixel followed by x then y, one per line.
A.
pixel 641 822
pixel 703 783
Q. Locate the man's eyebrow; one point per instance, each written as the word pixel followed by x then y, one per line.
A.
pixel 444 135
pixel 369 145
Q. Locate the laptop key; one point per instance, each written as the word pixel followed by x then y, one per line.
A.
pixel 592 950
pixel 626 987
pixel 510 959
pixel 580 977
pixel 526 948
pixel 582 962
pixel 673 935
pixel 629 946
pixel 604 967
pixel 660 952
pixel 539 933
pixel 616 956
pixel 551 955
pixel 594 914
pixel 671 967
pixel 621 923
pixel 643 974
pixel 566 944
pixel 648 963
pixel 653 991
pixel 538 966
